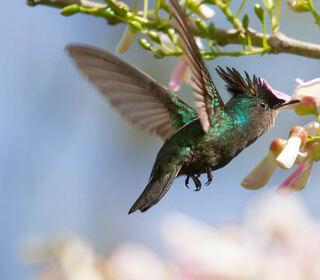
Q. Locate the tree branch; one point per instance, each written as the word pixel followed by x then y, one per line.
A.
pixel 64 3
pixel 278 42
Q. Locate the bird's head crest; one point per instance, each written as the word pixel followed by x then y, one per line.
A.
pixel 258 87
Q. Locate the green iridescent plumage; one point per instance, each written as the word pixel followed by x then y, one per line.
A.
pixel 184 115
pixel 196 141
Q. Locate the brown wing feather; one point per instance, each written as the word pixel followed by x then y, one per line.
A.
pixel 207 98
pixel 140 99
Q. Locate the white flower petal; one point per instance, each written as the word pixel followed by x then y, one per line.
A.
pixel 261 174
pixel 310 88
pixel 289 154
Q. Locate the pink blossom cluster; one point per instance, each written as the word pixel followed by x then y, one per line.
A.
pixel 302 147
pixel 276 239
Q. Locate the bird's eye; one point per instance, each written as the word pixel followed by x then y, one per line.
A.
pixel 263 105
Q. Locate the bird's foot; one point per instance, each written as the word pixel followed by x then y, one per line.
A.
pixel 196 181
pixel 209 176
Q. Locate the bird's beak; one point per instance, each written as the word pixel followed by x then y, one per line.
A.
pixel 286 104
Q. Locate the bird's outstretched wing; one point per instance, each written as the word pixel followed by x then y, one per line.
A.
pixel 207 98
pixel 140 99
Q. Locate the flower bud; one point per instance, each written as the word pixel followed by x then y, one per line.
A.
pixel 259 12
pixel 205 12
pixel 201 26
pixel 313 149
pixel 212 30
pixel 299 6
pixel 297 138
pixel 154 37
pixel 277 146
pixel 70 10
pixel 145 44
pixel 171 34
pixel 306 106
pixel 245 22
pixel 202 10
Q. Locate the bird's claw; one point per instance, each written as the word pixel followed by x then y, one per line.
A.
pixel 196 181
pixel 186 182
pixel 209 176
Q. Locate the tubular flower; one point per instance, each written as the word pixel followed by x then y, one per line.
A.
pixel 297 138
pixel 297 150
pixel 262 173
pixel 127 39
pixel 285 153
pixel 178 74
pixel 300 176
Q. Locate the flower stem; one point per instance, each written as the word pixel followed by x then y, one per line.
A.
pixel 264 39
pixel 230 17
pixel 314 12
pixel 240 8
pixel 145 8
pixel 239 53
pixel 135 6
pixel 277 16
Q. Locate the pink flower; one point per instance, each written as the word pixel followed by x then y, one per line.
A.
pixel 284 154
pixel 177 74
pixel 300 176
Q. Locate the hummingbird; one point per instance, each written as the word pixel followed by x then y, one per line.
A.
pixel 196 141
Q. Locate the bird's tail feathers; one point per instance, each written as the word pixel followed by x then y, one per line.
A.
pixel 155 190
